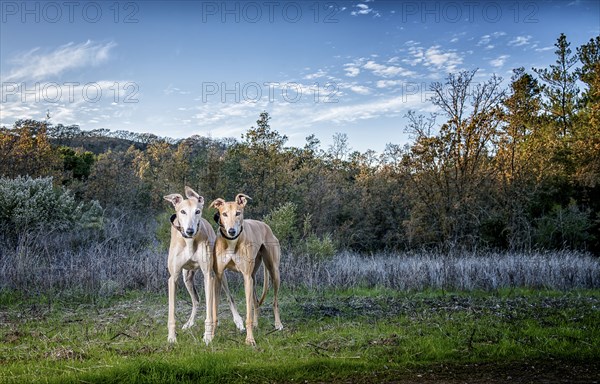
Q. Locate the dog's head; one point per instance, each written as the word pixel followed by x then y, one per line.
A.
pixel 231 214
pixel 188 211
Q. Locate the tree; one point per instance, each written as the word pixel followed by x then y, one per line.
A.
pixel 115 181
pixel 520 159
pixel 452 171
pixel 25 150
pixel 560 87
pixel 263 161
pixel 587 143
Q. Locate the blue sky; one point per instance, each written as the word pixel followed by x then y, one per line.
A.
pixel 183 68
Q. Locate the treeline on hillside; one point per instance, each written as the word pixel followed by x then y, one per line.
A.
pixel 514 167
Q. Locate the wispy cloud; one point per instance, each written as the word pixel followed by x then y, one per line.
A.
pixel 387 70
pixel 499 61
pixel 438 59
pixel 311 76
pixel 520 41
pixel 364 9
pixel 35 65
pixel 359 89
pixel 352 69
pixel 395 106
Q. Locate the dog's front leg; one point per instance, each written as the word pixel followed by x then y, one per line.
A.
pixel 216 297
pixel 249 289
pixel 209 293
pixel 171 321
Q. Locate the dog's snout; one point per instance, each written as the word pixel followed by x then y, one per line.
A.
pixel 189 231
pixel 231 232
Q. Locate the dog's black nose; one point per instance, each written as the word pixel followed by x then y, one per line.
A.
pixel 231 232
pixel 189 231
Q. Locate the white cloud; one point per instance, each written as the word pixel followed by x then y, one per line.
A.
pixel 316 75
pixel 351 70
pixel 364 9
pixel 386 106
pixel 435 57
pixel 34 65
pixel 519 41
pixel 417 55
pixel 388 83
pixel 484 40
pixel 360 89
pixel 170 90
pixel 387 70
pixel 499 61
pixel 70 103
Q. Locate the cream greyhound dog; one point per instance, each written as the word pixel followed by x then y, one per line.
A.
pixel 191 248
pixel 241 246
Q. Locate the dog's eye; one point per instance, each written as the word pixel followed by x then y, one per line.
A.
pixel 224 214
pixel 197 212
pixel 237 213
pixel 182 212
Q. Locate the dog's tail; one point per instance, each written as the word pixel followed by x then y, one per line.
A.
pixel 265 287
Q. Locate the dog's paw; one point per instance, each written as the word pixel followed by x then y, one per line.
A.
pixel 239 324
pixel 208 338
pixel 172 339
pixel 188 325
pixel 250 341
pixel 279 326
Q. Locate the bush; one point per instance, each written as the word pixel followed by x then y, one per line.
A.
pixel 320 248
pixel 28 205
pixel 282 221
pixel 163 230
pixel 564 228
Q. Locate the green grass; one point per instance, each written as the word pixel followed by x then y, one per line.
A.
pixel 331 336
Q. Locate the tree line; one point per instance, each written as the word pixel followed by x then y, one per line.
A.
pixel 514 167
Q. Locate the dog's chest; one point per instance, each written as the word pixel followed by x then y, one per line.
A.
pixel 195 256
pixel 230 256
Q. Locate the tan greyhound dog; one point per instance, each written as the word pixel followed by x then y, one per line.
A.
pixel 241 246
pixel 191 248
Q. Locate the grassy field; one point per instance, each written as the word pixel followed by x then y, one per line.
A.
pixel 342 336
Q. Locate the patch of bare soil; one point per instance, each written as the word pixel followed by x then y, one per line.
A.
pixel 520 372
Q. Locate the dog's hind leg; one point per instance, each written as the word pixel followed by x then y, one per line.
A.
pixel 188 279
pixel 272 264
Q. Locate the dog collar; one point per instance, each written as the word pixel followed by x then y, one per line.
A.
pixel 217 219
pixel 227 237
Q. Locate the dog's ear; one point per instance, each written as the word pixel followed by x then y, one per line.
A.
pixel 217 203
pixel 174 198
pixel 242 199
pixel 191 194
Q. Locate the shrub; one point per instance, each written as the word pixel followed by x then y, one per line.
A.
pixel 163 230
pixel 566 227
pixel 320 248
pixel 28 205
pixel 282 221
